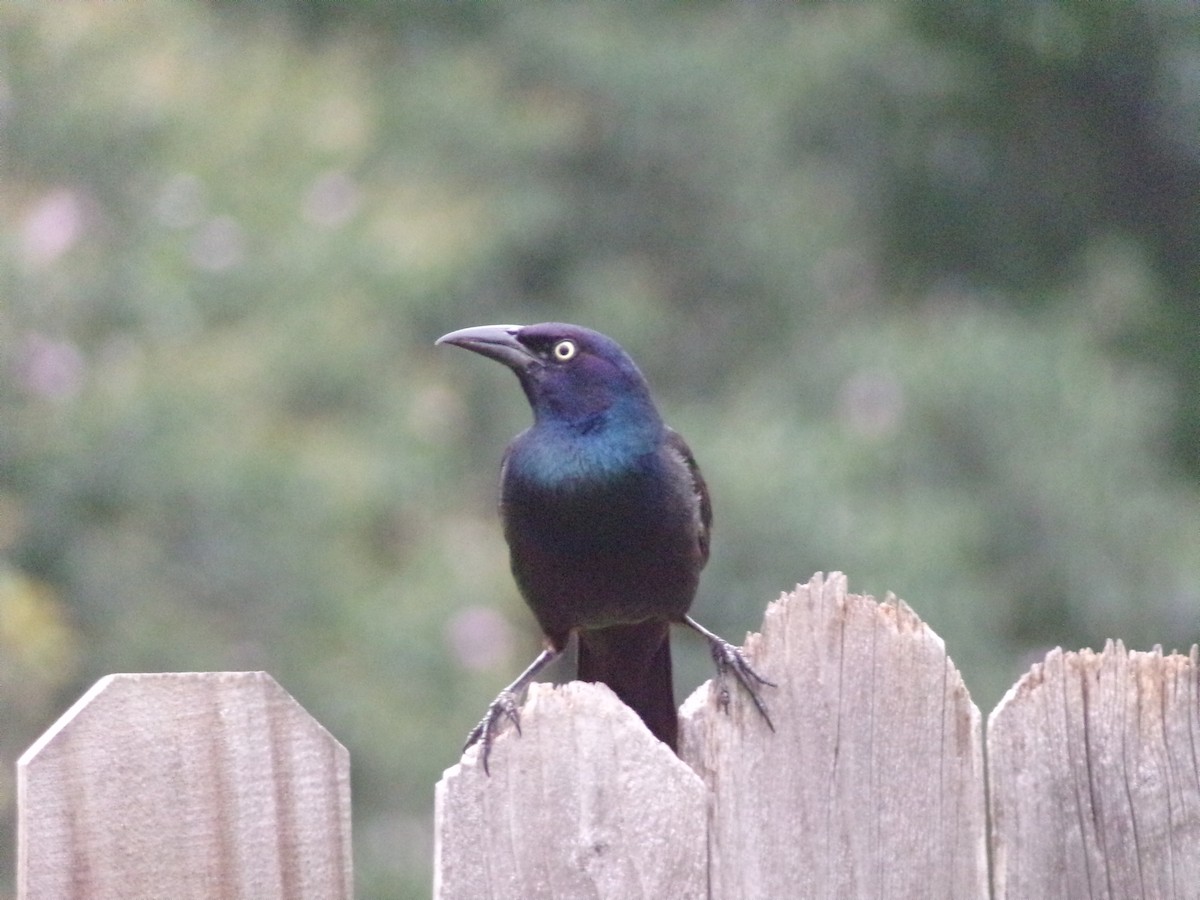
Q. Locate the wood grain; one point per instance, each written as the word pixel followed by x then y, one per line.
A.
pixel 1095 778
pixel 187 785
pixel 872 784
pixel 583 803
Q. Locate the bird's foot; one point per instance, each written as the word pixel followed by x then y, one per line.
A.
pixel 730 658
pixel 503 707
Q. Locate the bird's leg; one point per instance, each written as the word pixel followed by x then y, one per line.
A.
pixel 727 657
pixel 505 707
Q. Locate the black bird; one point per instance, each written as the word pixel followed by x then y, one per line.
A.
pixel 607 520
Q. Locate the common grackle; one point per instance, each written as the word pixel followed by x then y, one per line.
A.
pixel 607 521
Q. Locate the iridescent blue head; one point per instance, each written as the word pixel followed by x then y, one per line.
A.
pixel 574 377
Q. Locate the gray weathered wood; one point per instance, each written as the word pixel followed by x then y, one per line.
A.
pixel 584 803
pixel 1094 763
pixel 190 785
pixel 872 784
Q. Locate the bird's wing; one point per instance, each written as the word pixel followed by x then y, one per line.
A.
pixel 678 446
pixel 503 476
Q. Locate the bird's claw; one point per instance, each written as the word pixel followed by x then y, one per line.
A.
pixel 503 707
pixel 728 657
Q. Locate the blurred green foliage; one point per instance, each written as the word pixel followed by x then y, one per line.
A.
pixel 918 282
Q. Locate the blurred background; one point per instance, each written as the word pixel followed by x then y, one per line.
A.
pixel 917 280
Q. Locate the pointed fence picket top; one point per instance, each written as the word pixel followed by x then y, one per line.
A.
pixel 584 802
pixel 1094 762
pixel 185 785
pixel 871 785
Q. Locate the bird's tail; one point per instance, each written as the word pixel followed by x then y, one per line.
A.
pixel 635 661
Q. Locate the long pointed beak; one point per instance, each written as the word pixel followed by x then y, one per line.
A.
pixel 498 342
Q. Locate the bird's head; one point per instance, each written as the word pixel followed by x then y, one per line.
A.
pixel 571 375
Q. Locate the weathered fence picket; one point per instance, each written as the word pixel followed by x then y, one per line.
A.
pixel 1094 762
pixel 180 786
pixel 585 803
pixel 872 784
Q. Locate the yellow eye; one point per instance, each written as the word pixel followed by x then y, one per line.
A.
pixel 564 350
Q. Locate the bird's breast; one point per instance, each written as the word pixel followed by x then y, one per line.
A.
pixel 608 548
pixel 615 511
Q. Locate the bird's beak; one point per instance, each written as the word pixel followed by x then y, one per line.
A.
pixel 499 342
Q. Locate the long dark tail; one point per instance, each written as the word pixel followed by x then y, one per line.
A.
pixel 635 661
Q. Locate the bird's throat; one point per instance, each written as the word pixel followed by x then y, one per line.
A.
pixel 566 456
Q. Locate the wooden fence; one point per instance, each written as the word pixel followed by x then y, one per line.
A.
pixel 872 785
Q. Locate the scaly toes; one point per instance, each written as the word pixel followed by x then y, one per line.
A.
pixel 726 656
pixel 503 707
